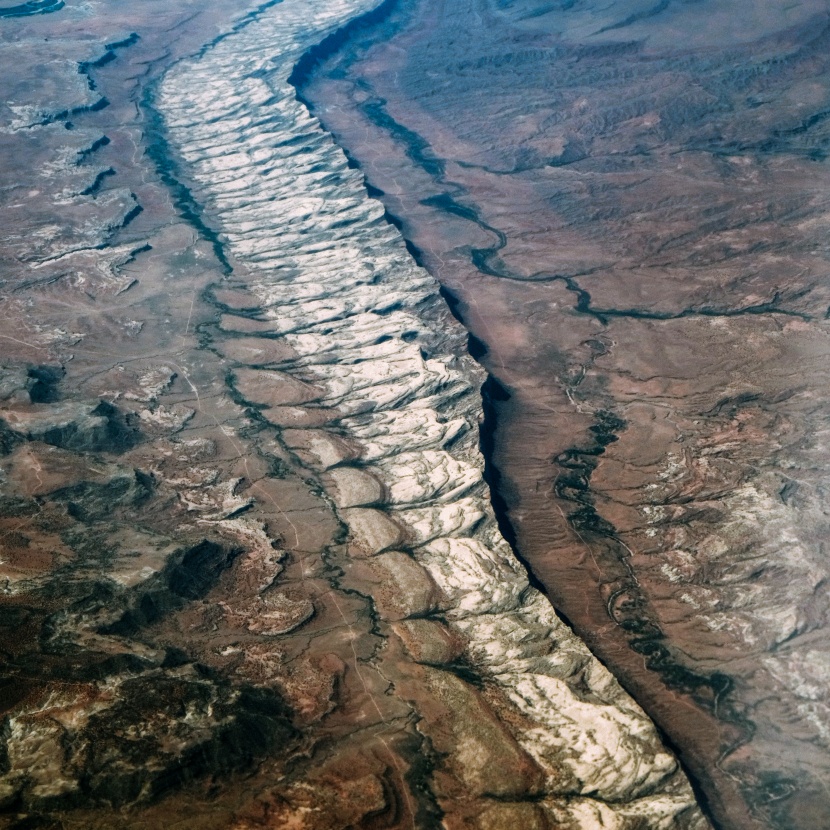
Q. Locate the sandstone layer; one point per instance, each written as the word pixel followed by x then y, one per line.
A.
pixel 627 205
pixel 251 576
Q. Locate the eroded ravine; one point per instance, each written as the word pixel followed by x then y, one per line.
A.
pixel 371 388
pixel 629 225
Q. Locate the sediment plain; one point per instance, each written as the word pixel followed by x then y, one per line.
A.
pixel 251 576
pixel 626 204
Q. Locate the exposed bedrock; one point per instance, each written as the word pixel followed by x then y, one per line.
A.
pixel 251 576
pixel 632 223
pixel 344 351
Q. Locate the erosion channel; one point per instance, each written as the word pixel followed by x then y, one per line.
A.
pixel 251 574
pixel 626 204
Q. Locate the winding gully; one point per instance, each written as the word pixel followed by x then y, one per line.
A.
pixel 251 576
pixel 369 384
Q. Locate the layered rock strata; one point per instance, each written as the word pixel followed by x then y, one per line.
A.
pixel 627 202
pixel 361 371
pixel 250 576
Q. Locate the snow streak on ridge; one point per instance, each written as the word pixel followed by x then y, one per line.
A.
pixel 377 358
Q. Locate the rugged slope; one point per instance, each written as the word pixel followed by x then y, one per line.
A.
pixel 374 393
pixel 628 203
pixel 250 573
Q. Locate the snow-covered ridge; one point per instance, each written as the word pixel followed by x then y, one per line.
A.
pixel 398 452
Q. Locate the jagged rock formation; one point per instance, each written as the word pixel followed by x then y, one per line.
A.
pixel 627 202
pixel 251 576
pixel 371 390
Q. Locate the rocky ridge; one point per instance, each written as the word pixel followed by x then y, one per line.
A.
pixel 373 392
pixel 250 573
pixel 631 224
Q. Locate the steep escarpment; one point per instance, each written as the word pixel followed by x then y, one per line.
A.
pixel 251 576
pixel 627 202
pixel 343 347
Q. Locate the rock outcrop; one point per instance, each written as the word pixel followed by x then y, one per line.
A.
pixel 375 392
pixel 251 575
